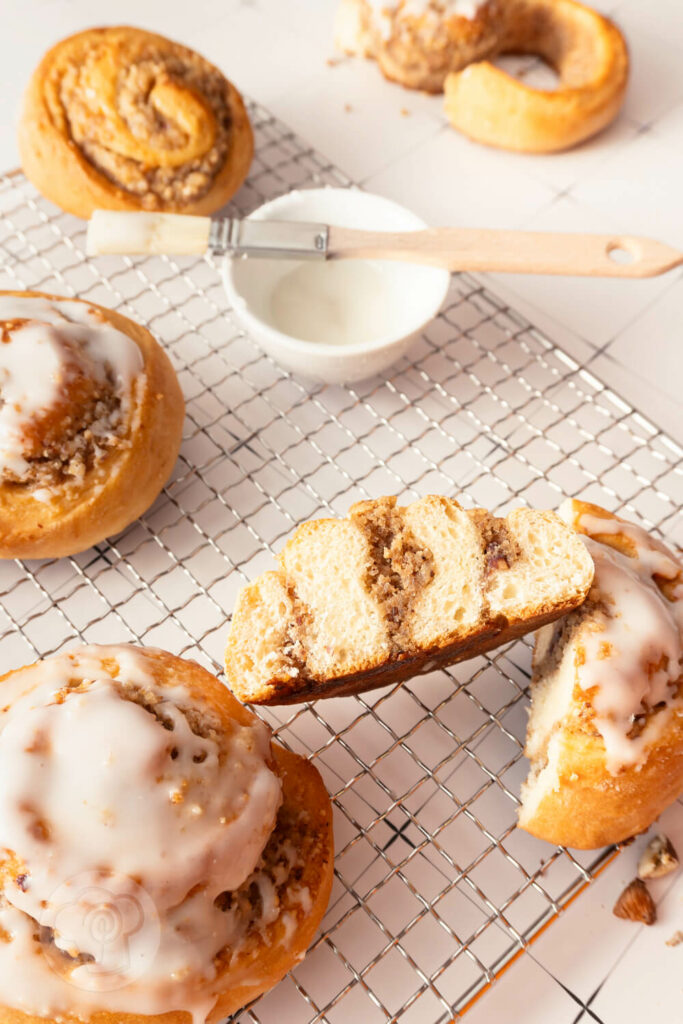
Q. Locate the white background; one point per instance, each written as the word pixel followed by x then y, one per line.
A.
pixel 589 966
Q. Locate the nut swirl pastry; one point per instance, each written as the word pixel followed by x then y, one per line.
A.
pixel 161 859
pixel 91 416
pixel 605 735
pixel 449 46
pixel 122 119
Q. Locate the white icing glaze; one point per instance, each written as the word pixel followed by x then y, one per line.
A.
pixel 634 641
pixel 383 11
pixel 127 830
pixel 34 361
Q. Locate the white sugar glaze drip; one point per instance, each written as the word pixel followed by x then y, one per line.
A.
pixel 634 645
pixel 34 361
pixel 103 803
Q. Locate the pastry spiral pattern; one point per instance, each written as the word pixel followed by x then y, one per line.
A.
pixel 160 859
pixel 142 122
pixel 91 417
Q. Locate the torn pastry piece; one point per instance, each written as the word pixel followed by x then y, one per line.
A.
pixel 418 42
pixel 91 416
pixel 585 49
pixel 122 119
pixel 161 859
pixel 450 46
pixel 605 735
pixel 391 592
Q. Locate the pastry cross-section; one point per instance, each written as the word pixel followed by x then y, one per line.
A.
pixel 394 591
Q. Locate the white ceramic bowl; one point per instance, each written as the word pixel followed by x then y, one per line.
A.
pixel 371 310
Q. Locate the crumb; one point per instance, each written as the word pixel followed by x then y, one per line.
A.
pixel 348 108
pixel 675 940
pixel 405 112
pixel 332 62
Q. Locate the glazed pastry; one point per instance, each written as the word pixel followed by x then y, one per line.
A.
pixel 122 119
pixel 447 45
pixel 605 735
pixel 161 861
pixel 91 416
pixel 390 592
pixel 588 53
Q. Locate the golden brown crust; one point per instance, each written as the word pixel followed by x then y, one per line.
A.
pixel 125 482
pixel 590 56
pixel 302 789
pixel 586 806
pixel 493 634
pixel 269 956
pixel 590 808
pixel 58 167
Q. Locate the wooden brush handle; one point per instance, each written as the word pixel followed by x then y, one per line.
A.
pixel 510 252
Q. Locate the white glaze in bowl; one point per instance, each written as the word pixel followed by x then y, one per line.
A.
pixel 376 307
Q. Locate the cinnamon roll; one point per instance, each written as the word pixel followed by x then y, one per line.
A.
pixel 605 735
pixel 91 416
pixel 122 119
pixel 161 859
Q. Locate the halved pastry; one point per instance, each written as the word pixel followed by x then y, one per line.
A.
pixel 605 735
pixel 91 416
pixel 161 860
pixel 123 119
pixel 392 592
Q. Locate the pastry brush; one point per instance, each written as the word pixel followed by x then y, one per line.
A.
pixel 455 249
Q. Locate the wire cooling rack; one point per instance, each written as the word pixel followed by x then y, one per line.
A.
pixel 436 891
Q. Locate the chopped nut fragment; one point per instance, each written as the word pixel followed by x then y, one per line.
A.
pixel 675 940
pixel 659 858
pixel 636 903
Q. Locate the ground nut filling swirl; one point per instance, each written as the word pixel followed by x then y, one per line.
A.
pixel 633 661
pixel 152 118
pixel 69 381
pixel 127 812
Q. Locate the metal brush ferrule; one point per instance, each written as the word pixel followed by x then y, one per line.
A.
pixel 275 239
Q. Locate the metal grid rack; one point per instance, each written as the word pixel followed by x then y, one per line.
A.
pixel 436 891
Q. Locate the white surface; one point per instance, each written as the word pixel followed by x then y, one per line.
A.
pixel 396 143
pixel 389 305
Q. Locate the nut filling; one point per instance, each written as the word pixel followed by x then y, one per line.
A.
pixel 155 123
pixel 85 424
pixel 399 568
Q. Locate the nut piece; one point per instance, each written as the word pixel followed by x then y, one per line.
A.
pixel 636 904
pixel 658 859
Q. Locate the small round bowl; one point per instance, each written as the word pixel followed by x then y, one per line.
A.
pixel 365 312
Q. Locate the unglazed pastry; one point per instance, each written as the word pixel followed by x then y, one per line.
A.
pixel 391 592
pixel 605 735
pixel 122 119
pixel 587 51
pixel 91 416
pixel 448 45
pixel 161 861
